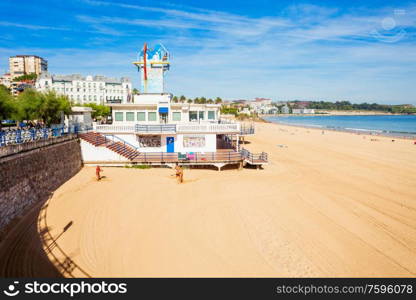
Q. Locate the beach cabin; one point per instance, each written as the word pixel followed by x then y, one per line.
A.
pixel 151 128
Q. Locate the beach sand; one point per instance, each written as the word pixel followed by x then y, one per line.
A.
pixel 334 204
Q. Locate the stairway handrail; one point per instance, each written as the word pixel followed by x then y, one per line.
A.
pixel 121 140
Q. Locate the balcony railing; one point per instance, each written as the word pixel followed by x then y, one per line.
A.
pixel 115 128
pixel 206 128
pixel 170 128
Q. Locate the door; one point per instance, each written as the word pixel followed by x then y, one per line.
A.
pixel 170 144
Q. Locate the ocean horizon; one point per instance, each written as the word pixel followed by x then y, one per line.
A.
pixel 404 125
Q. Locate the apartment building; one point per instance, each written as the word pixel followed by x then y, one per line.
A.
pixel 26 64
pixel 89 89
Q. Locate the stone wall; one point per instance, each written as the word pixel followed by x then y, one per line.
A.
pixel 30 176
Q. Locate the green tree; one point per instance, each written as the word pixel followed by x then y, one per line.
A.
pixel 7 105
pixel 31 76
pixel 175 99
pixel 196 100
pixel 48 107
pixel 203 100
pixel 182 99
pixel 218 100
pixel 210 101
pixel 189 101
pixel 29 104
pixel 135 91
pixel 53 106
pixel 99 111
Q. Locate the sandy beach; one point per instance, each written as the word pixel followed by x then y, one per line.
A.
pixel 333 204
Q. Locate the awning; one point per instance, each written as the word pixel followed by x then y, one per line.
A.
pixel 163 110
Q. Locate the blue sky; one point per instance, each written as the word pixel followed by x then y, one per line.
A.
pixel 327 50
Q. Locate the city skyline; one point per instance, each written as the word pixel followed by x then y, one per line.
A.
pixel 287 50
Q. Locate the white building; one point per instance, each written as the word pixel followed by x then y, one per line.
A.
pixel 89 89
pixel 152 129
pixel 261 105
pixel 303 111
pixel 6 80
pixel 285 109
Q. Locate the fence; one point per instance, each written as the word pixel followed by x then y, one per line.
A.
pixel 254 158
pixel 214 128
pixel 192 157
pixel 155 128
pixel 112 137
pixel 247 129
pixel 20 136
pixel 115 128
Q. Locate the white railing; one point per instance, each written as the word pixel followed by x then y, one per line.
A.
pixel 229 128
pixel 180 128
pixel 114 128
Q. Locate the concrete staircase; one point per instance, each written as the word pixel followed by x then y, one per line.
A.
pixel 98 140
pixel 124 150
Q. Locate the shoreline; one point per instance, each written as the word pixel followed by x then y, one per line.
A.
pixel 343 113
pixel 406 136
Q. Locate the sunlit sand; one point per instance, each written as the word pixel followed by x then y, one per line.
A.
pixel 332 204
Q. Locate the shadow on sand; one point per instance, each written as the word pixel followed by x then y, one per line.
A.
pixel 29 249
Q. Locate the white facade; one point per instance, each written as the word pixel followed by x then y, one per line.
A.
pixel 6 80
pixel 303 111
pixel 82 90
pixel 79 116
pixel 158 109
pixel 189 127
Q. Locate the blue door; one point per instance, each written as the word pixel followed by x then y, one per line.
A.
pixel 170 144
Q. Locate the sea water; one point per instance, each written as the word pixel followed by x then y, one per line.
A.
pixel 402 125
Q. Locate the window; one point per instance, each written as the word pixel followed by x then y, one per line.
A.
pixel 201 115
pixel 176 116
pixel 211 115
pixel 118 116
pixel 193 116
pixel 151 116
pixel 129 116
pixel 141 116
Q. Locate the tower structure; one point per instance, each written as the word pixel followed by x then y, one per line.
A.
pixel 152 65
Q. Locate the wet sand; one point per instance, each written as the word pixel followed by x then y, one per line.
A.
pixel 333 204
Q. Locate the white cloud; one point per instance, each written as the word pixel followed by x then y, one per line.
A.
pixel 31 26
pixel 304 51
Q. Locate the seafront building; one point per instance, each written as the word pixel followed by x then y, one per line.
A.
pixel 27 64
pixel 89 89
pixel 152 129
pixel 303 111
pixel 6 80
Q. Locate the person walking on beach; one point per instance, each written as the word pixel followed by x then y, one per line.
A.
pixel 179 173
pixel 98 170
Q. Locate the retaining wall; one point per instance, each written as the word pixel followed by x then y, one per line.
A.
pixel 31 173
